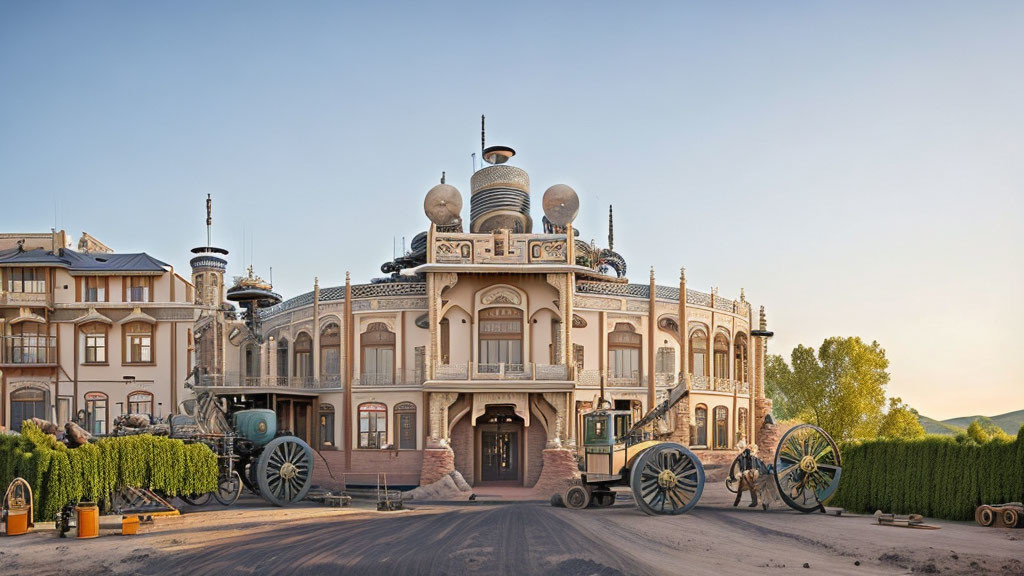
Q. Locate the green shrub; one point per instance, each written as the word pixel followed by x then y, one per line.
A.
pixel 937 476
pixel 60 476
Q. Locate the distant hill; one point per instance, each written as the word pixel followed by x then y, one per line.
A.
pixel 1009 422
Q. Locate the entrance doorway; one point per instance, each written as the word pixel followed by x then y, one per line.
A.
pixel 501 442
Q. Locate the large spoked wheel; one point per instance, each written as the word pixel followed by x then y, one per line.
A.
pixel 666 479
pixel 807 468
pixel 229 489
pixel 284 470
pixel 732 481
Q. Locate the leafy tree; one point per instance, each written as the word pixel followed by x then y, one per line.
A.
pixel 901 421
pixel 776 383
pixel 841 388
pixel 977 433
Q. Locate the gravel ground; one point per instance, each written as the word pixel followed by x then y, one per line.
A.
pixel 520 538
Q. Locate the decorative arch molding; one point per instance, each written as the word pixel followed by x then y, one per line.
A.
pixel 26 315
pixel 695 327
pixel 366 321
pixel 137 315
pixel 501 295
pixel 450 306
pixel 723 331
pixel 329 319
pixel 520 402
pixel 93 316
pixel 633 321
pixel 578 321
pixel 41 385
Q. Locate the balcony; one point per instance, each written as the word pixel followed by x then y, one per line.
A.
pixel 235 380
pixel 29 351
pixel 400 378
pixel 27 293
pixel 501 371
pixel 716 384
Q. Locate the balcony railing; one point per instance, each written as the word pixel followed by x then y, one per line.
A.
pixel 716 384
pixel 29 350
pixel 235 380
pixel 501 371
pixel 400 378
pixel 30 298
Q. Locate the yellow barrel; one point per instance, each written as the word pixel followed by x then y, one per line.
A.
pixel 17 520
pixel 88 519
pixel 129 525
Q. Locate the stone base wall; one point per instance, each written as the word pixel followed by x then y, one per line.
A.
pixel 762 407
pixel 462 443
pixel 437 463
pixel 402 467
pixel 681 433
pixel 560 469
pixel 536 440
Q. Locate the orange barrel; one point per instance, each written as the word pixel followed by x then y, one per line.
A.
pixel 88 519
pixel 17 520
pixel 129 525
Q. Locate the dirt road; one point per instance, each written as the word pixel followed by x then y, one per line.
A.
pixel 524 538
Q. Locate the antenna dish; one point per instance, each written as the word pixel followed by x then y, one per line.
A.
pixel 561 204
pixel 498 154
pixel 443 205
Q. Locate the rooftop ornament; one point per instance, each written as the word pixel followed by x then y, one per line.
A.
pixel 252 293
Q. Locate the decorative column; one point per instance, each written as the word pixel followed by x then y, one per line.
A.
pixel 652 325
pixel 316 329
pixel 349 421
pixel 556 436
pixel 684 339
pixel 438 458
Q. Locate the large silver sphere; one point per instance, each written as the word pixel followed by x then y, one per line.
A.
pixel 443 205
pixel 561 204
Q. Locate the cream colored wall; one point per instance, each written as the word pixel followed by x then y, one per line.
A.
pixel 589 338
pixel 460 335
pixel 540 325
pixel 389 399
pixel 60 294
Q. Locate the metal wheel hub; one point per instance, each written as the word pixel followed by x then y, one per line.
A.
pixel 288 471
pixel 666 478
pixel 808 464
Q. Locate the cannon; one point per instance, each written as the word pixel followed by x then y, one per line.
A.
pixel 665 477
pixel 806 469
pixel 276 467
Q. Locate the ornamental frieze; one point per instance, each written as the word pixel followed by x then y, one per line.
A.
pixel 596 303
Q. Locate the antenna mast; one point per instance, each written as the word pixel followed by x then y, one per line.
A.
pixel 482 134
pixel 611 229
pixel 209 219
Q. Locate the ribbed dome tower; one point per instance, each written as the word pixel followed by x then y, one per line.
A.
pixel 500 194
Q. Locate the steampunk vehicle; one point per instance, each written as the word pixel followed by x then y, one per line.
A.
pixel 278 468
pixel 665 477
pixel 806 469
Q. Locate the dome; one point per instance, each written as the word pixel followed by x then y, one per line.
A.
pixel 443 205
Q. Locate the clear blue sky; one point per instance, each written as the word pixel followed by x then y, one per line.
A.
pixel 856 167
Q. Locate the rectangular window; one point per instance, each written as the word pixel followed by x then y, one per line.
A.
pixel 63 410
pixel 721 365
pixel 624 363
pixel 138 289
pixel 698 364
pixel 95 348
pixel 327 429
pixel 138 343
pixel 378 365
pixel 27 280
pixel 94 289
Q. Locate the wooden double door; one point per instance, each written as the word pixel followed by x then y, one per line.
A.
pixel 501 447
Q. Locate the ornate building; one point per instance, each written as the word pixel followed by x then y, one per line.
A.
pixel 480 349
pixel 89 334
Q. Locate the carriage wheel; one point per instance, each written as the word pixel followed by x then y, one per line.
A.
pixel 984 516
pixel 1010 517
pixel 229 489
pixel 732 481
pixel 807 468
pixel 284 470
pixel 666 479
pixel 196 499
pixel 577 497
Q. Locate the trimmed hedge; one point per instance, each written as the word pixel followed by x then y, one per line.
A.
pixel 60 476
pixel 936 476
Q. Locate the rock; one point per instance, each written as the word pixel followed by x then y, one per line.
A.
pixel 444 489
pixel 460 482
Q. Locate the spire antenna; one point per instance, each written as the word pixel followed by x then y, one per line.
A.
pixel 483 140
pixel 611 229
pixel 209 219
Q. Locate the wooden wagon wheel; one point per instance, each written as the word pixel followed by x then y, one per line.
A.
pixel 666 479
pixel 577 497
pixel 196 499
pixel 284 470
pixel 984 515
pixel 807 468
pixel 1010 517
pixel 229 488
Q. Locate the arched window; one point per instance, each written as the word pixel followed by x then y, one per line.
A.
pixel 721 356
pixel 501 339
pixel 140 403
pixel 373 425
pixel 138 343
pixel 699 352
pixel 282 357
pixel 405 425
pixel 327 426
pixel 304 356
pixel 740 358
pixel 700 422
pixel 97 412
pixel 721 428
pixel 624 353
pixel 330 354
pixel 378 344
pixel 28 403
pixel 94 336
pixel 741 424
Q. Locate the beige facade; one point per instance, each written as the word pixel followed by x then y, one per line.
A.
pixel 89 336
pixel 481 351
